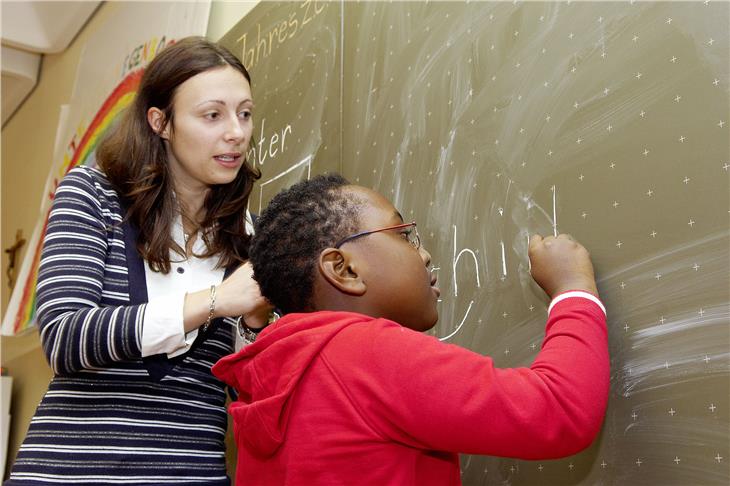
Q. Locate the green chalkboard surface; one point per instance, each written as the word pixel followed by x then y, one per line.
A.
pixel 486 122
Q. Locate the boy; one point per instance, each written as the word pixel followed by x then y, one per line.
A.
pixel 344 389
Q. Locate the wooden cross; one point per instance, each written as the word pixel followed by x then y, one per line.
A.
pixel 12 253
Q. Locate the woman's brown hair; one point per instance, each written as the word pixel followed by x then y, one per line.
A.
pixel 134 159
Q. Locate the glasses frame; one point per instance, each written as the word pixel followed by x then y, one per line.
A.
pixel 369 232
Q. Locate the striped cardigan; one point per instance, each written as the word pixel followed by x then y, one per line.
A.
pixel 110 416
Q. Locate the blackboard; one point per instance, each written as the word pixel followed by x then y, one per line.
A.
pixel 485 122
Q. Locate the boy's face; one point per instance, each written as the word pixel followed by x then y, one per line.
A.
pixel 400 286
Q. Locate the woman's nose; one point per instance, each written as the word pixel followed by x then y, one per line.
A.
pixel 234 131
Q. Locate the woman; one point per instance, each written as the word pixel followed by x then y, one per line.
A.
pixel 131 284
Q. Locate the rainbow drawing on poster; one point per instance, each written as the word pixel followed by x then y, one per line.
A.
pixel 119 99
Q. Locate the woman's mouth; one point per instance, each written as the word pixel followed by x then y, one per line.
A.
pixel 230 160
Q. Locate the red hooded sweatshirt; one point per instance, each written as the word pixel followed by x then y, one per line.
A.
pixel 338 398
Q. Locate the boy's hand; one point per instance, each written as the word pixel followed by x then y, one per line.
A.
pixel 561 264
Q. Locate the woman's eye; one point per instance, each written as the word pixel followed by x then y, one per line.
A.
pixel 212 115
pixel 245 115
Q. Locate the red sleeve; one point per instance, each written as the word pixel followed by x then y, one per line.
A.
pixel 418 391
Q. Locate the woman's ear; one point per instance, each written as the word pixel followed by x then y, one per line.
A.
pixel 340 270
pixel 156 119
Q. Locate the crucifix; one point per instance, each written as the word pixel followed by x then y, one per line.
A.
pixel 12 253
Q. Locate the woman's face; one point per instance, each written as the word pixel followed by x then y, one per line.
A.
pixel 211 128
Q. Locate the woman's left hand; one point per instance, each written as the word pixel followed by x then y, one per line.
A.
pixel 239 295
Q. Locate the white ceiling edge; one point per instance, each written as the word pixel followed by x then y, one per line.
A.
pixel 30 29
pixel 44 26
pixel 19 76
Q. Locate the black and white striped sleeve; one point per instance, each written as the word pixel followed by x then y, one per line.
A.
pixel 82 292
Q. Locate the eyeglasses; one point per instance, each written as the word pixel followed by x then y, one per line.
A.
pixel 411 235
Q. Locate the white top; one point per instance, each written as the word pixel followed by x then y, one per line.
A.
pixel 163 328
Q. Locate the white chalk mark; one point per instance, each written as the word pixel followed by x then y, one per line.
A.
pixel 458 328
pixel 532 204
pixel 555 215
pixel 504 260
pixel 305 161
pixel 506 196
pixel 456 261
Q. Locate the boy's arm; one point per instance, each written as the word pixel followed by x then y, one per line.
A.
pixel 431 395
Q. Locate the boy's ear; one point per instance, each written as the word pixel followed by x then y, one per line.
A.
pixel 156 120
pixel 339 269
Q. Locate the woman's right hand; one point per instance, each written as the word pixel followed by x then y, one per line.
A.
pixel 560 264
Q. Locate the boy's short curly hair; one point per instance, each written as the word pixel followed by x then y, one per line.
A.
pixel 297 225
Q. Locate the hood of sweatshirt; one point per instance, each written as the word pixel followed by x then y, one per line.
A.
pixel 266 374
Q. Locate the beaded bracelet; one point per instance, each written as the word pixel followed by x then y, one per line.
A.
pixel 211 308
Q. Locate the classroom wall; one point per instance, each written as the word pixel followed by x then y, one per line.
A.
pixel 225 14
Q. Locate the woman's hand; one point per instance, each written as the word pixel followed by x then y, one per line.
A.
pixel 237 295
